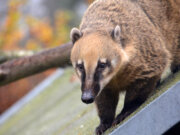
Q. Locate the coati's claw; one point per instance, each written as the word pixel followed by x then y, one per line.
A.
pixel 102 128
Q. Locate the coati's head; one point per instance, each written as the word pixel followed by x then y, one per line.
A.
pixel 96 57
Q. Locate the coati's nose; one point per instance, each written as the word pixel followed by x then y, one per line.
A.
pixel 87 97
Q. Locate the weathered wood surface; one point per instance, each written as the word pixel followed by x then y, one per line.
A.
pixel 155 118
pixel 58 110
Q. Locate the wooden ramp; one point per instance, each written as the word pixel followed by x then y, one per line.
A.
pixel 58 110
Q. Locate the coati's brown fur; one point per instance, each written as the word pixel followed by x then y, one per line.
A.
pixel 142 36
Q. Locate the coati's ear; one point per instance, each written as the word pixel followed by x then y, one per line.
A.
pixel 75 34
pixel 116 33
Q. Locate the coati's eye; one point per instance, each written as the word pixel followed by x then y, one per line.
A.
pixel 102 65
pixel 80 67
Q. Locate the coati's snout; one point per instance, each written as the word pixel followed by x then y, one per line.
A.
pixel 90 89
pixel 88 96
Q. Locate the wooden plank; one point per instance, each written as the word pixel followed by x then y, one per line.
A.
pixel 156 118
pixel 58 110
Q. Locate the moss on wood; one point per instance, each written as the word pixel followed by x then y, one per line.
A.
pixel 58 110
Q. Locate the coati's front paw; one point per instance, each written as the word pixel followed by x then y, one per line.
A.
pixel 102 128
pixel 119 118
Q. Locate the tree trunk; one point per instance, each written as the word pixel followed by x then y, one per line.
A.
pixel 22 67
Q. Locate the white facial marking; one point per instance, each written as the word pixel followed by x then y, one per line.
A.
pixel 126 58
pixel 104 82
pixel 79 61
pixel 103 60
pixel 77 70
pixel 113 62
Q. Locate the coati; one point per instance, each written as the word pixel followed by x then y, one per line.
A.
pixel 125 45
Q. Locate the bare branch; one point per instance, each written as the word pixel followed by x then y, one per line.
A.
pixel 9 55
pixel 22 67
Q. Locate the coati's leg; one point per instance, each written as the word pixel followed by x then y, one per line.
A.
pixel 106 104
pixel 131 105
